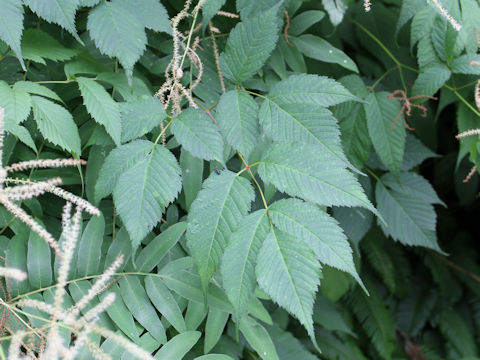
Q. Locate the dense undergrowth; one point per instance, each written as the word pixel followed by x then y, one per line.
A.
pixel 239 179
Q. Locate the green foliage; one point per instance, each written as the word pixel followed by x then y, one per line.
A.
pixel 277 180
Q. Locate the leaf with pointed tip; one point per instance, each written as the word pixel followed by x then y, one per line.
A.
pixel 411 220
pixel 101 106
pixel 288 271
pixel 209 9
pixel 310 89
pixel 258 338
pixel 152 14
pixel 237 115
pixel 178 346
pixel 303 122
pixel 216 212
pixel 39 263
pixel 388 139
pixel 318 230
pixel 214 327
pixel 117 33
pixel 249 45
pixel 60 12
pixel 301 170
pixel 196 132
pixel 16 103
pixel 239 259
pixel 140 116
pixel 36 89
pixel 144 190
pixel 117 162
pixel 431 79
pixel 11 26
pixel 56 124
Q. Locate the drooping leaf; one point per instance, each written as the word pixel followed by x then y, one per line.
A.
pixel 216 212
pixel 117 33
pixel 144 190
pixel 318 230
pixel 11 26
pixel 288 271
pixel 214 327
pixel 237 115
pixel 197 133
pixel 117 162
pixel 61 12
pixel 140 117
pixel 303 171
pixel 411 220
pixel 304 20
pixel 258 338
pixel 101 106
pixel 90 247
pixel 56 124
pixel 134 295
pixel 249 45
pixel 239 259
pixel 388 137
pixel 38 46
pixel 431 80
pixel 165 303
pixel 319 49
pixel 38 262
pixel 375 318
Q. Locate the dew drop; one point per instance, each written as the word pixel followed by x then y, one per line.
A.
pixel 344 61
pixel 264 353
pixel 187 170
pixel 330 51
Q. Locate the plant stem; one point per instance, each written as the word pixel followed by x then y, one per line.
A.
pixel 247 167
pixel 162 132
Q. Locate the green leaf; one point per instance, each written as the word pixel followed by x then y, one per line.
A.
pixel 56 124
pixel 16 257
pixel 101 106
pixel 216 212
pixel 120 314
pixel 117 162
pixel 287 346
pixel 39 263
pixel 135 297
pixel 144 190
pixel 303 21
pixel 237 115
pixel 318 230
pixel 38 46
pixel 36 89
pixel 411 220
pixel 375 318
pixel 151 14
pixel 458 332
pixel 412 184
pixel 11 26
pixel 258 338
pixel 415 152
pixel 388 137
pixel 239 259
pixel 463 65
pixel 196 132
pixel 90 247
pixel 140 116
pixel 407 11
pixel 192 175
pixel 61 12
pixel 177 347
pixel 335 9
pixel 121 245
pixel 319 49
pixel 16 103
pixel 355 222
pixel 303 171
pixel 303 122
pixel 214 357
pixel 151 255
pixel 414 311
pixel 431 79
pixel 249 45
pixel 209 9
pixel 117 33
pixel 309 89
pixel 288 271
pixel 165 303
pixel 214 327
